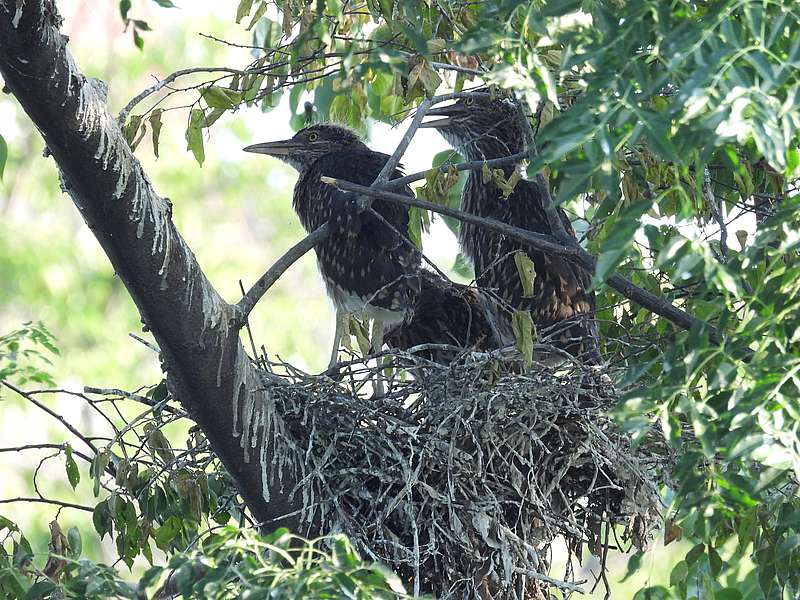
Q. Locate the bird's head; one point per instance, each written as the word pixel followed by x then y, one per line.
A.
pixel 481 126
pixel 309 144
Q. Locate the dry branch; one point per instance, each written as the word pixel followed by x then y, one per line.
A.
pixel 546 243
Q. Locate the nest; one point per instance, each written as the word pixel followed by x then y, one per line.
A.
pixel 461 477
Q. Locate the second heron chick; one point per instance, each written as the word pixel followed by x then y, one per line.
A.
pixel 485 128
pixel 367 266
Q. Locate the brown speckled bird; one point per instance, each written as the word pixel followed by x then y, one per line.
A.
pixel 366 266
pixel 448 315
pixel 484 128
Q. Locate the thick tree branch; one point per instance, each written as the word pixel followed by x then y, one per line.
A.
pixel 208 369
pixel 545 243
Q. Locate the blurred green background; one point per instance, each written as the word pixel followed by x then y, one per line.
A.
pixel 235 212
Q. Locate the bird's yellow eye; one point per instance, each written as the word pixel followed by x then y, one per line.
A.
pixel 469 101
pixel 313 136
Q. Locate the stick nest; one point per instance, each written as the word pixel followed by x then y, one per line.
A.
pixel 461 477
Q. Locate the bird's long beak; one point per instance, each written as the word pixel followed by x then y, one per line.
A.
pixel 448 112
pixel 280 148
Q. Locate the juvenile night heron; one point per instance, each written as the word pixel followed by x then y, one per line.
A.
pixel 447 317
pixel 365 264
pixel 484 128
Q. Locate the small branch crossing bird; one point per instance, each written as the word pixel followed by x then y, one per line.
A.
pixel 483 129
pixel 367 266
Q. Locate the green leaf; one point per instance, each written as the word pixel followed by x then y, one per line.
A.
pixel 138 40
pixel 217 97
pixel 124 7
pixel 262 8
pixel 194 135
pixel 526 271
pixel 3 156
pixel 243 9
pixel 155 127
pixel 131 129
pixel 616 244
pixel 361 333
pixel 73 475
pixel 75 544
pixel 97 470
pixel 462 267
pixel 41 589
pixel 165 3
pixel 524 334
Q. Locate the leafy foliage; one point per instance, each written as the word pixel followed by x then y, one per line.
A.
pixel 660 125
pixel 22 349
pixel 226 562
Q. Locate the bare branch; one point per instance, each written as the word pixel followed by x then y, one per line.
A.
pixel 29 397
pixel 545 243
pixel 550 209
pixel 474 165
pixel 48 501
pixel 397 155
pixel 272 275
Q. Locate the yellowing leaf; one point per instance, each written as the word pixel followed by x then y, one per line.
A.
pixel 422 79
pixel 286 9
pixel 486 174
pixel 360 331
pixel 526 271
pixel 131 128
pixel 436 45
pixel 155 126
pixel 524 334
pixel 194 135
pixel 243 9
pixel 217 97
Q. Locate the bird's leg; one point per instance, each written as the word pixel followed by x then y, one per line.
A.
pixel 377 345
pixel 339 331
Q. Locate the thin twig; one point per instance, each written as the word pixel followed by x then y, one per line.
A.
pixel 169 79
pixel 45 446
pixel 52 413
pixel 398 153
pixel 564 585
pixel 474 165
pixel 145 343
pixel 715 207
pixel 550 209
pixel 246 304
pixel 48 501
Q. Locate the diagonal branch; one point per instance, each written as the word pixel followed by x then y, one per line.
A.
pixel 550 209
pixel 475 165
pixel 255 293
pixel 546 243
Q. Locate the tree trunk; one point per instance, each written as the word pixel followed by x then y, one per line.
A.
pixel 207 368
